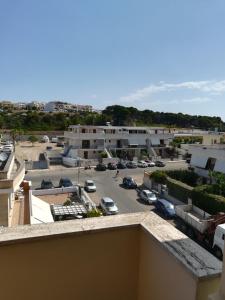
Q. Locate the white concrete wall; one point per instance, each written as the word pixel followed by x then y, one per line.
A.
pixel 200 156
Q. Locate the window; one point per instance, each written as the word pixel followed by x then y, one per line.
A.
pixel 210 163
pixel 223 236
pixel 94 130
pixel 109 141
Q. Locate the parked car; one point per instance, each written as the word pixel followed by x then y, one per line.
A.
pixel 60 144
pixel 49 148
pixel 46 184
pixel 142 164
pixel 148 196
pixel 108 206
pixel 7 148
pixel 89 186
pixel 131 165
pixel 65 182
pixel 160 163
pixel 100 167
pixel 112 166
pixel 121 165
pixel 129 183
pixel 150 163
pixel 166 208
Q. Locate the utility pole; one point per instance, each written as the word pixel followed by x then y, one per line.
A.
pixel 78 172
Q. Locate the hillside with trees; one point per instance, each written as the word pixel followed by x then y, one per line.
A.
pixel 116 114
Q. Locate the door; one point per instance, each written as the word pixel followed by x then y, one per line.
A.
pixel 85 154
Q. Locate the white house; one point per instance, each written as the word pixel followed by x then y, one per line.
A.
pixel 207 157
pixel 88 141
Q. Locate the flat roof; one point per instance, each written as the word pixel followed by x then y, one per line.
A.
pixel 194 258
pixel 118 127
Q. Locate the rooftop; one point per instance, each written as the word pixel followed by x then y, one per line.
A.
pixel 197 260
pixel 124 257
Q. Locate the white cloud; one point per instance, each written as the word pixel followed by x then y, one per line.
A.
pixel 197 100
pixel 211 87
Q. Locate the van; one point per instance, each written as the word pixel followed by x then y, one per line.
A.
pixel 218 241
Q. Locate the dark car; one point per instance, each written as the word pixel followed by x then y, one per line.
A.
pixel 166 208
pixel 60 144
pixel 112 166
pixel 159 163
pixel 121 165
pixel 100 167
pixel 47 184
pixel 129 183
pixel 131 165
pixel 65 182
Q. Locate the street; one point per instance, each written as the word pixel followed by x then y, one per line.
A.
pixel 106 182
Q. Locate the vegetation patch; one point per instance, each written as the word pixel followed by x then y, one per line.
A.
pixel 179 190
pixel 210 203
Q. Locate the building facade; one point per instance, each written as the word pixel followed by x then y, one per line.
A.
pixel 11 175
pixel 59 106
pixel 89 141
pixel 205 158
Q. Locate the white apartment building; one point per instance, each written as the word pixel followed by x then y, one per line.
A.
pixel 59 106
pixel 12 171
pixel 89 141
pixel 207 157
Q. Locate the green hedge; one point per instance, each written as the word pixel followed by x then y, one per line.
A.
pixel 210 203
pixel 179 190
pixel 185 176
pixel 159 177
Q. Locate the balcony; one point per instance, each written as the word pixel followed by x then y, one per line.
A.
pixel 129 257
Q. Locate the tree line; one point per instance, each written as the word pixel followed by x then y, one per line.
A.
pixel 117 115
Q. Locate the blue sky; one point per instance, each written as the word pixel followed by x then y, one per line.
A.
pixel 160 55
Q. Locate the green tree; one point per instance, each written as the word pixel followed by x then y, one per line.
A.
pixel 32 139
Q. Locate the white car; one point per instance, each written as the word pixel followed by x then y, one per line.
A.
pixel 142 164
pixel 148 196
pixel 7 148
pixel 151 164
pixel 108 206
pixel 90 186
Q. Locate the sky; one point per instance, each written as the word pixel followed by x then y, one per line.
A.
pixel 160 55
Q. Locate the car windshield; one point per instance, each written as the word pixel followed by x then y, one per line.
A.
pixel 90 183
pixel 66 181
pixel 109 204
pixel 150 195
pixel 169 206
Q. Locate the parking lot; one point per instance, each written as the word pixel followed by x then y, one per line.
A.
pixel 106 182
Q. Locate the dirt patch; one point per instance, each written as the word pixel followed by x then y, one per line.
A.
pixel 55 199
pixel 26 151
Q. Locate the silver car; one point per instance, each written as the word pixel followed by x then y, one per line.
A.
pixel 108 206
pixel 90 186
pixel 148 196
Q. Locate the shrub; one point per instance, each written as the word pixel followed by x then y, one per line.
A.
pixel 185 176
pixel 67 202
pixel 159 177
pixel 179 190
pixel 94 213
pixel 103 154
pixel 210 203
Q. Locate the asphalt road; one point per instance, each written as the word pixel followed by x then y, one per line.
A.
pixel 106 182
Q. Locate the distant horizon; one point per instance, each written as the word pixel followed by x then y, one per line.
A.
pixel 101 109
